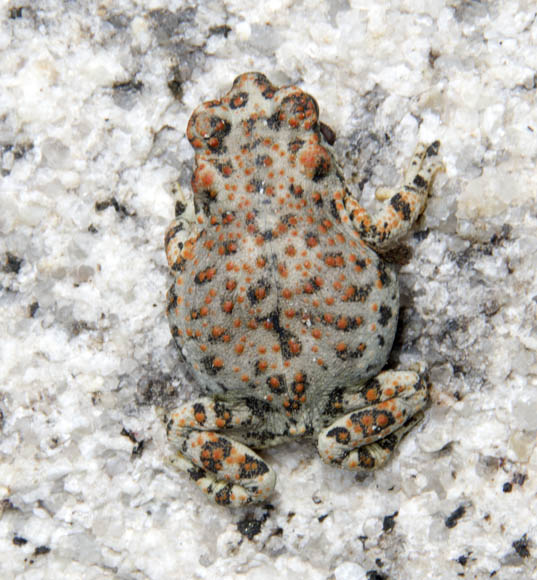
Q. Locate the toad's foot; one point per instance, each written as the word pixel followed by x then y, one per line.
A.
pixel 364 439
pixel 226 470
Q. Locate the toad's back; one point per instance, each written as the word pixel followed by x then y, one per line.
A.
pixel 276 297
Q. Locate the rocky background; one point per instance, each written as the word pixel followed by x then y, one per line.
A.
pixel 94 102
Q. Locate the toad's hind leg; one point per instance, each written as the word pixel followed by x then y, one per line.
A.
pixel 386 408
pixel 226 470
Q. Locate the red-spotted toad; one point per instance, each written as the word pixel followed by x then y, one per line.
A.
pixel 280 304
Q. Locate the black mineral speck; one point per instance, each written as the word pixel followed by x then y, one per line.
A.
pixel 119 207
pixel 452 520
pixel 33 308
pixel 138 449
pixel 374 575
pixel 421 235
pixel 80 326
pixel 131 86
pixel 389 522
pixel 175 82
pixel 12 264
pixel 19 541
pixel 128 433
pixel 507 487
pixel 504 234
pixel 521 547
pixel 222 30
pixel 519 478
pixel 15 12
pixel 433 55
pixel 250 526
pixel 40 550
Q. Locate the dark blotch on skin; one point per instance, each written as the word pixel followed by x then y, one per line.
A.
pixel 401 206
pixel 207 363
pixel 419 181
pixel 385 313
pixel 239 100
pixel 433 149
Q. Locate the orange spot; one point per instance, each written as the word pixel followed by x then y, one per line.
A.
pixel 274 383
pixel 367 420
pixel 294 347
pixel 371 395
pixel 349 293
pixel 218 331
pixel 382 420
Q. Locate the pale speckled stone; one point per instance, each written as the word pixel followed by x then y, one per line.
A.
pixel 86 115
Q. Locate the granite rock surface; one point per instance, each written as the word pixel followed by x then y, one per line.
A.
pixel 94 101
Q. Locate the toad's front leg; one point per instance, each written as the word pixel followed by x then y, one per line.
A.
pixel 403 206
pixel 225 469
pixel 182 233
